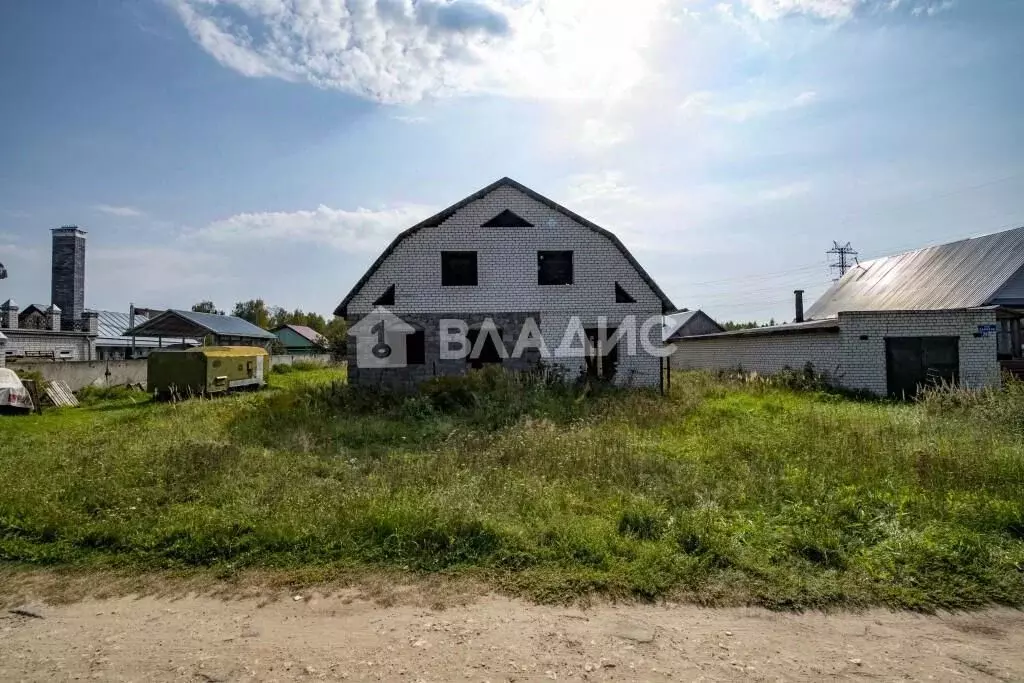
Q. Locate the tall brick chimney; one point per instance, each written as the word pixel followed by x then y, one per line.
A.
pixel 67 275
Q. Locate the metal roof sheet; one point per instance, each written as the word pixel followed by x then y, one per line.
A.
pixel 789 328
pixel 224 325
pixel 305 332
pixel 964 274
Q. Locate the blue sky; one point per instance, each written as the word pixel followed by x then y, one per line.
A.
pixel 227 149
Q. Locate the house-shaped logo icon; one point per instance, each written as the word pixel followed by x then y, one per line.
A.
pixel 380 339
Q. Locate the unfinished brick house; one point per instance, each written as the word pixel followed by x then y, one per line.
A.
pixel 507 257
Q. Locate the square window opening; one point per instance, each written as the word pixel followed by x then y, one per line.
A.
pixel 458 269
pixel 554 268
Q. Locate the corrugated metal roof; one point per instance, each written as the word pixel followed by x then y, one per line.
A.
pixel 114 323
pixel 111 326
pixel 224 325
pixel 227 325
pixel 963 274
pixel 790 328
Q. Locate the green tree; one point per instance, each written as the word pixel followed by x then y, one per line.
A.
pixel 206 307
pixel 731 326
pixel 253 310
pixel 336 332
pixel 281 316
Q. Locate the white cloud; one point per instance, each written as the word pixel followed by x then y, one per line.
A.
pixel 401 51
pixel 823 9
pixel 932 8
pixel 123 211
pixel 352 231
pixel 743 110
pixel 598 134
pixel 837 10
pixel 152 274
pixel 603 187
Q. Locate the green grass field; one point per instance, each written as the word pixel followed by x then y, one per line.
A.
pixel 724 492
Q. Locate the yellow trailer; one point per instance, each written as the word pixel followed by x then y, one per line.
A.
pixel 207 370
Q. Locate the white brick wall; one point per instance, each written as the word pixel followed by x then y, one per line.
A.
pixel 864 359
pixel 852 361
pixel 764 355
pixel 507 275
pixel 43 341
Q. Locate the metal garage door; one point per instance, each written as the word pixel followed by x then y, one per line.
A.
pixel 912 362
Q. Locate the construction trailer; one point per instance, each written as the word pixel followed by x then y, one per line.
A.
pixel 207 370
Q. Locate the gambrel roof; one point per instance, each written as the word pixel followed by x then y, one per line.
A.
pixel 439 218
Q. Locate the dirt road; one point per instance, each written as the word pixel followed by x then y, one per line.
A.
pixel 344 637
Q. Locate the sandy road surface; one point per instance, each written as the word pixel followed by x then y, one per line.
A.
pixel 343 637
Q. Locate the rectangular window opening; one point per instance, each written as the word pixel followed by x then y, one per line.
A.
pixel 416 348
pixel 554 268
pixel 458 269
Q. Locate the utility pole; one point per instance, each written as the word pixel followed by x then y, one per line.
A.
pixel 846 257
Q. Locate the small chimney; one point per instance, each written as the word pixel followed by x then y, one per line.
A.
pixel 799 305
pixel 91 323
pixel 53 318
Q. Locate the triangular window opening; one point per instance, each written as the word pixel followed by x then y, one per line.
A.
pixel 387 298
pixel 622 296
pixel 507 219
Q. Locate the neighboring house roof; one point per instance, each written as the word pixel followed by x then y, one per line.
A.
pixel 112 325
pixel 307 333
pixel 811 326
pixel 176 323
pixel 964 274
pixel 40 308
pixel 439 218
pixel 677 324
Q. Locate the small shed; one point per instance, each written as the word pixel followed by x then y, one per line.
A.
pixel 207 370
pixel 217 330
pixel 300 339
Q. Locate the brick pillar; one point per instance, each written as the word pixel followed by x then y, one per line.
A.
pixel 9 314
pixel 91 323
pixel 53 318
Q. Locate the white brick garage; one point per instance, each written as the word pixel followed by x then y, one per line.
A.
pixel 851 349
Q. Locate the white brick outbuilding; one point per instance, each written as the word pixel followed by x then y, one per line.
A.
pixel 950 312
pixel 853 349
pixel 509 229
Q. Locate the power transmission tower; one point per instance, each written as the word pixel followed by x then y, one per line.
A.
pixel 846 257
